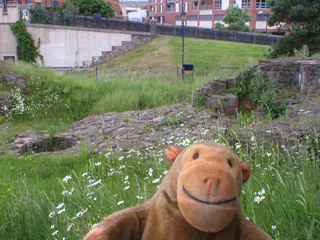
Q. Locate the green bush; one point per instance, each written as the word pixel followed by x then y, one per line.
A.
pixel 254 86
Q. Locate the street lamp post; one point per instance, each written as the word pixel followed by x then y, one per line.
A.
pixel 266 18
pixel 183 18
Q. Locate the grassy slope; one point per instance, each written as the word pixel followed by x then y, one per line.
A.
pixel 166 51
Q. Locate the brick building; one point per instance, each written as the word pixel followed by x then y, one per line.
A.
pixel 205 13
pixel 56 3
pixel 40 3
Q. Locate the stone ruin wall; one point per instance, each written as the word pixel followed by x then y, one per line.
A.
pixel 302 72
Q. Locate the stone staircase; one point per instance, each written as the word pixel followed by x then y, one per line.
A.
pixel 136 41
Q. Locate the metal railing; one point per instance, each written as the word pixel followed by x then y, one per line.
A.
pixel 174 72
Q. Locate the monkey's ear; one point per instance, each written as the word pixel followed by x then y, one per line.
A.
pixel 172 153
pixel 246 171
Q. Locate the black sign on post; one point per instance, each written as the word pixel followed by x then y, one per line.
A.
pixel 188 67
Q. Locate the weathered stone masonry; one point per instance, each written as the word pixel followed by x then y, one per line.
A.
pixel 303 72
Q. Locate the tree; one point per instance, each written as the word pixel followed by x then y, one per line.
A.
pixel 90 7
pixel 57 16
pixel 236 18
pixel 302 21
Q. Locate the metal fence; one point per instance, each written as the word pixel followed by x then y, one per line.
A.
pixel 150 72
pixel 174 30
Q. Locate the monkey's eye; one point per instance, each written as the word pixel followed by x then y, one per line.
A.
pixel 230 163
pixel 195 156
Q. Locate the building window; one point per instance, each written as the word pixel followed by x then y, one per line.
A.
pixel 170 7
pixel 9 58
pixel 218 4
pixel 205 17
pixel 195 6
pixel 177 7
pixel 29 1
pixel 192 17
pixel 262 4
pixel 38 4
pixel 245 4
pixel 186 7
pixel 262 17
pixel 218 17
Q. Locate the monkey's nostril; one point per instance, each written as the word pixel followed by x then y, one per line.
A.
pixel 206 180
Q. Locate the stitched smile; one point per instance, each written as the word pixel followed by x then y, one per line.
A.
pixel 206 202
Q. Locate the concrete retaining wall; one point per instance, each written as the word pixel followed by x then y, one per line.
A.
pixel 71 46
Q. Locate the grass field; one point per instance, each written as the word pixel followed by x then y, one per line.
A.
pixel 166 52
pixel 64 196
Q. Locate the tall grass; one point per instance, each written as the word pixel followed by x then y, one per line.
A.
pixel 53 102
pixel 52 197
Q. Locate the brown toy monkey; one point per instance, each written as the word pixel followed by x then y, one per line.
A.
pixel 199 198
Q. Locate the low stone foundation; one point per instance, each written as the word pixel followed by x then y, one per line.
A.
pixel 30 142
pixel 227 104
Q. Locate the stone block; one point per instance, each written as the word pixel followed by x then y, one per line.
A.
pixel 227 104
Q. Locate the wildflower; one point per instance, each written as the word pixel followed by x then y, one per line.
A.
pixel 107 154
pixel 60 206
pixel 122 166
pixel 126 178
pixel 186 142
pixel 98 164
pixel 95 183
pixel 262 192
pixel 61 211
pixel 268 154
pixel 165 172
pixel 67 178
pixel 150 172
pixel 126 188
pixel 120 202
pixel 52 214
pixel 139 197
pixel 55 233
pixel 274 227
pixel 156 180
pixel 258 199
pixel 121 158
pixel 81 213
pixel 94 225
pixel 52 227
pixel 238 145
pixel 70 226
pixel 252 138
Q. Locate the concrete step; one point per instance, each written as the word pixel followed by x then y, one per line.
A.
pixel 137 40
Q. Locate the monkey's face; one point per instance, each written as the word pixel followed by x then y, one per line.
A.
pixel 209 186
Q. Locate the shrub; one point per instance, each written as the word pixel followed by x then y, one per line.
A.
pixel 26 50
pixel 254 86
